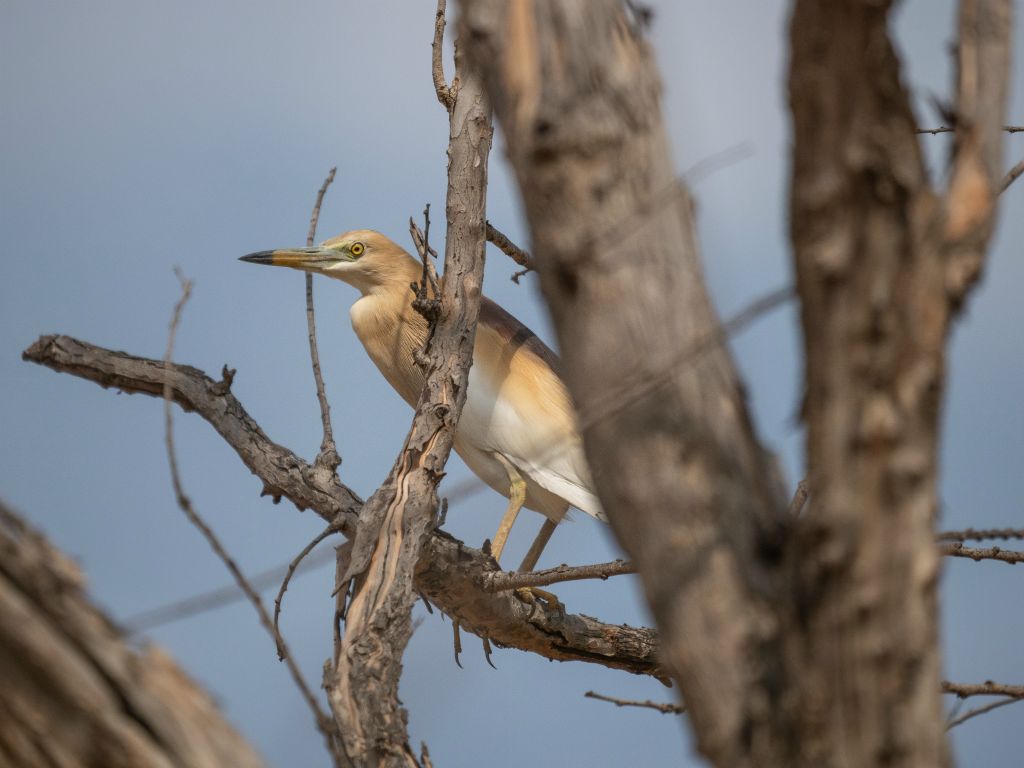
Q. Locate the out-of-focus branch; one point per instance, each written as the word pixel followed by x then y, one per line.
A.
pixel 947 129
pixel 977 534
pixel 665 709
pixel 74 693
pixel 988 688
pixel 983 553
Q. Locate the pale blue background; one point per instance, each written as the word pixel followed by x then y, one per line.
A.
pixel 141 135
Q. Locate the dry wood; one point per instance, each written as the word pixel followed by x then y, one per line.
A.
pixel 73 694
pixel 450 574
pixel 397 520
pixel 882 263
pixel 694 500
pixel 762 615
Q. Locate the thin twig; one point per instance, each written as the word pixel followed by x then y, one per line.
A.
pixel 1011 176
pixel 331 529
pixel 428 306
pixel 323 721
pixel 978 711
pixel 975 534
pixel 665 709
pixel 500 581
pixel 219 597
pixel 510 249
pixel 328 455
pixel 956 549
pixel 988 688
pixel 445 94
pixel 947 129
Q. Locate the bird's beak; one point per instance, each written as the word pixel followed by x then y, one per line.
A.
pixel 314 259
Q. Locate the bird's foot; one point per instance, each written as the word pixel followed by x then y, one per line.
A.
pixel 533 594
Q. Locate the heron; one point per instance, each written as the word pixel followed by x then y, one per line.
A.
pixel 518 431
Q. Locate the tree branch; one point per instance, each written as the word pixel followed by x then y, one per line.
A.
pixel 957 549
pixel 665 709
pixel 328 456
pixel 450 574
pixel 504 580
pixel 510 249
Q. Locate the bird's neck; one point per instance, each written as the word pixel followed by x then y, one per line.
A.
pixel 391 330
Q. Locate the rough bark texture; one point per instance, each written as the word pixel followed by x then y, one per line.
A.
pixel 881 263
pixel 795 642
pixel 450 574
pixel 693 499
pixel 73 694
pixel 396 521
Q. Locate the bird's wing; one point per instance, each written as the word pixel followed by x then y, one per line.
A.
pixel 518 406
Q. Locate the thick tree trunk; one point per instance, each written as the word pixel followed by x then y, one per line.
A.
pixel 794 642
pixel 73 694
pixel 693 498
pixel 881 267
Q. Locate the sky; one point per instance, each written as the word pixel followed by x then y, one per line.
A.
pixel 140 136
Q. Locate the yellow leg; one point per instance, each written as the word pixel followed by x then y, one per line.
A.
pixel 529 594
pixel 543 537
pixel 516 498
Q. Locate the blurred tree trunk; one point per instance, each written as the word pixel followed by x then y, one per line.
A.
pixel 74 695
pixel 795 641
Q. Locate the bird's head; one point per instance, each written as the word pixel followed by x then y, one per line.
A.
pixel 363 258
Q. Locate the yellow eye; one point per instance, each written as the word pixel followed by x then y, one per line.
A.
pixel 357 249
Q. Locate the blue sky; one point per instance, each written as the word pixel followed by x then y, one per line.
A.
pixel 141 135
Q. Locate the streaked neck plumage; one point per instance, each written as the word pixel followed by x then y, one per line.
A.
pixel 387 325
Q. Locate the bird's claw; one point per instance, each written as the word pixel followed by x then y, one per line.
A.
pixel 532 594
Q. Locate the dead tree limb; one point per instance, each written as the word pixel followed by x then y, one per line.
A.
pixel 396 521
pixel 450 574
pixel 72 692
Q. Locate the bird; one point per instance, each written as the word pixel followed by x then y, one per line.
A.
pixel 518 429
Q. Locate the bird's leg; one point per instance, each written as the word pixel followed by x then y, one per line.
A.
pixel 516 498
pixel 530 561
pixel 543 537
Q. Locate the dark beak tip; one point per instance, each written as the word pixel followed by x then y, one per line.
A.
pixel 260 257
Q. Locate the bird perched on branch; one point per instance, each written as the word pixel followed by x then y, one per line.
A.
pixel 517 431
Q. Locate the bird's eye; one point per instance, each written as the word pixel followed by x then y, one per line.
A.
pixel 357 249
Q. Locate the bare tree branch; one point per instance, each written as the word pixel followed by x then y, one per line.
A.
pixel 1011 176
pixel 450 573
pixel 505 580
pixel 665 709
pixel 957 549
pixel 397 520
pixel 981 533
pixel 446 94
pixel 328 456
pixel 988 688
pixel 510 249
pixel 972 713
pixel 323 722
pixel 946 129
